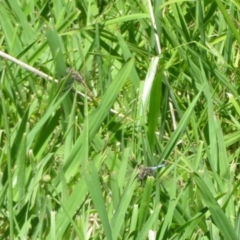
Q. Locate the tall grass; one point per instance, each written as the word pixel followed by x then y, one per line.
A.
pixel 161 82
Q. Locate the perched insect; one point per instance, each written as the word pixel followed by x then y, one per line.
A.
pixel 148 171
pixel 75 75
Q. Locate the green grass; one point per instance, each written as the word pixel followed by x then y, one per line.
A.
pixel 161 83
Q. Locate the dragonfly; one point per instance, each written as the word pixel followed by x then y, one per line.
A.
pixel 145 172
pixel 78 77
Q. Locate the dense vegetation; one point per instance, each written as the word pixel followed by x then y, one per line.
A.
pixel 160 82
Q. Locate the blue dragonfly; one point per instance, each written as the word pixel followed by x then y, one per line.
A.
pixel 149 171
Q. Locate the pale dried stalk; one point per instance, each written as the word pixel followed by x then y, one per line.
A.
pixel 74 74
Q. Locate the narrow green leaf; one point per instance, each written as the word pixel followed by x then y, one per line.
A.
pixel 228 20
pixel 117 221
pixel 94 188
pixel 154 108
pixel 149 223
pixel 57 52
pixel 180 128
pixel 216 211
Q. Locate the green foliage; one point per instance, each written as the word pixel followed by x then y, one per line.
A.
pixel 161 82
